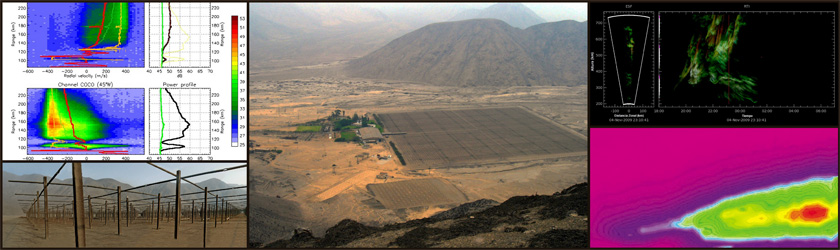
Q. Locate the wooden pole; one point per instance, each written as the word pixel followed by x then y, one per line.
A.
pixel 158 212
pixel 168 209
pixel 105 216
pixel 119 208
pixel 177 202
pixel 127 212
pixel 215 211
pixel 46 210
pixel 204 215
pixel 90 212
pixel 37 206
pixel 192 212
pixel 78 204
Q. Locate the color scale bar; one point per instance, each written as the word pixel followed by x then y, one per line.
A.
pixel 234 81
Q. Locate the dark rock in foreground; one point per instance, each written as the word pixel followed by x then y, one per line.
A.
pixel 537 221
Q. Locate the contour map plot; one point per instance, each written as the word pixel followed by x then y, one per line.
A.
pixel 85 35
pixel 801 210
pixel 179 121
pixel 85 121
pixel 683 188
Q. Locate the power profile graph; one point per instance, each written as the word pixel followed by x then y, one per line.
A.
pixel 179 35
pixel 85 35
pixel 67 121
pixel 179 121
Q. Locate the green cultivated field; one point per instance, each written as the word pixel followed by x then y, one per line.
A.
pixel 308 129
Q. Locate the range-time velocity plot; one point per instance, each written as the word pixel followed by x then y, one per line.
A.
pixel 85 35
pixel 747 59
pixel 85 121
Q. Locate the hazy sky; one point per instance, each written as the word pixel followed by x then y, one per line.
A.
pixel 553 12
pixel 549 11
pixel 134 174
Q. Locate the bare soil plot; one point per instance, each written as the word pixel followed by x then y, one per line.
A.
pixel 20 232
pixel 445 138
pixel 417 193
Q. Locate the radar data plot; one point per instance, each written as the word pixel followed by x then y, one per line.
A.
pixel 720 65
pixel 630 48
pixel 799 210
pixel 85 35
pixel 714 187
pixel 85 121
pixel 762 59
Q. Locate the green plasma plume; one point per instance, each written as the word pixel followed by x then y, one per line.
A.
pixel 710 57
pixel 802 210
pixel 628 37
pixel 68 117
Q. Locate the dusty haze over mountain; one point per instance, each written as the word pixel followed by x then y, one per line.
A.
pixel 515 14
pixel 482 52
pixel 298 34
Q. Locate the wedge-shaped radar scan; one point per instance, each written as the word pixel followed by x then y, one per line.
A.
pixel 629 37
pixel 731 65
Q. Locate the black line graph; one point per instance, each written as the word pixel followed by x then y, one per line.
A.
pixel 179 121
pixel 179 35
pixel 168 142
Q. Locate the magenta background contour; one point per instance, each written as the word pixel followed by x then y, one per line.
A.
pixel 641 177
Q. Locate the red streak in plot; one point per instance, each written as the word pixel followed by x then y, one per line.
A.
pixel 99 36
pixel 85 52
pixel 114 152
pixel 73 127
pixel 811 213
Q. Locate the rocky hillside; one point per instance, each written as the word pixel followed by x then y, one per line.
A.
pixel 539 221
pixel 482 52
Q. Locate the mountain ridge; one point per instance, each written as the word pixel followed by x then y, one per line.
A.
pixel 515 14
pixel 481 52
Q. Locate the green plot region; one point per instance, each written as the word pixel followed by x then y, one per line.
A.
pixel 105 25
pixel 308 129
pixel 802 210
pixel 69 118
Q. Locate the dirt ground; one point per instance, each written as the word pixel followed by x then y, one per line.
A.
pixel 19 232
pixel 302 181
